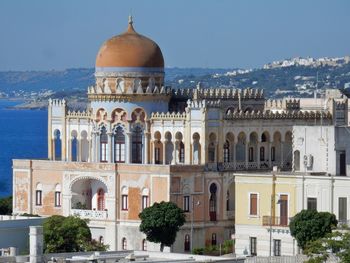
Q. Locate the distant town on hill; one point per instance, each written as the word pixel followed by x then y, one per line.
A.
pixel 290 77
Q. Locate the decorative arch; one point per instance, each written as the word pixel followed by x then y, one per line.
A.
pixel 169 148
pixel 119 144
pixel 241 147
pixel 138 115
pixel 212 148
pixel 180 147
pixel 158 148
pixel 196 156
pixel 84 155
pixel 119 115
pixel 101 115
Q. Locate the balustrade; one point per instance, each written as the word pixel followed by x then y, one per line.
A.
pixel 89 214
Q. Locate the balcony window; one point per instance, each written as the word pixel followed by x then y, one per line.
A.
pixel 125 202
pixel 38 197
pixel 277 247
pixel 311 203
pixel 212 202
pixel 186 203
pixel 342 213
pixel 253 210
pixel 119 146
pixel 252 245
pixel 144 201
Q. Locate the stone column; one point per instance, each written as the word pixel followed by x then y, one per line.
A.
pixel 164 151
pixel 174 160
pixel 128 147
pixel 282 157
pixel 146 154
pixel 92 154
pixel 269 154
pixel 152 152
pixel 234 154
pixel 98 148
pixel 109 150
pixel 258 144
pixel 246 155
pixel 36 243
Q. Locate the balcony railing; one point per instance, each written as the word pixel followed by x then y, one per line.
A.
pixel 89 214
pixel 276 221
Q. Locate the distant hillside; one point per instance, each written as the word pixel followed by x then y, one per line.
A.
pixel 292 77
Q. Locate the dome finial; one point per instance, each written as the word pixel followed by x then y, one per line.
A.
pixel 130 26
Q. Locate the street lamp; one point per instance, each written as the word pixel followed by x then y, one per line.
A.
pixel 192 212
pixel 272 208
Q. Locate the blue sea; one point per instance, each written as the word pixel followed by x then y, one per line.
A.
pixel 23 135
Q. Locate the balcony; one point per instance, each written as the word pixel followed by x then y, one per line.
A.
pixel 89 214
pixel 276 221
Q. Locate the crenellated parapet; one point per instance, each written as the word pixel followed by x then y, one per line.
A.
pixel 282 104
pixel 57 102
pixel 79 114
pixel 168 116
pixel 218 93
pixel 201 104
pixel 277 115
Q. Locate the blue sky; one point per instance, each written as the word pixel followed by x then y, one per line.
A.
pixel 41 34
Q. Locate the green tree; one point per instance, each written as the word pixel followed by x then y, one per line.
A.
pixel 336 243
pixel 310 225
pixel 161 221
pixel 68 234
pixel 6 206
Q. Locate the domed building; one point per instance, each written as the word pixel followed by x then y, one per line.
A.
pixel 139 142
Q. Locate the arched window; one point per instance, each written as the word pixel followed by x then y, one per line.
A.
pixel 58 195
pixel 101 240
pixel 212 202
pixel 100 199
pixel 187 243
pixel 39 194
pixel 213 239
pixel 74 151
pixel 57 145
pixel 119 145
pixel 227 152
pixel 262 153
pixel 103 145
pixel 273 153
pixel 211 152
pixel 181 152
pixel 144 245
pixel 124 244
pixel 137 145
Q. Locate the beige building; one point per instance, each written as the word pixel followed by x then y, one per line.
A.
pixel 140 142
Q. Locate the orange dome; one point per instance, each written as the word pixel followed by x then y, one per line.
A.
pixel 130 49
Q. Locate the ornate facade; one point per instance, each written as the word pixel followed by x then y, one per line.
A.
pixel 140 142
